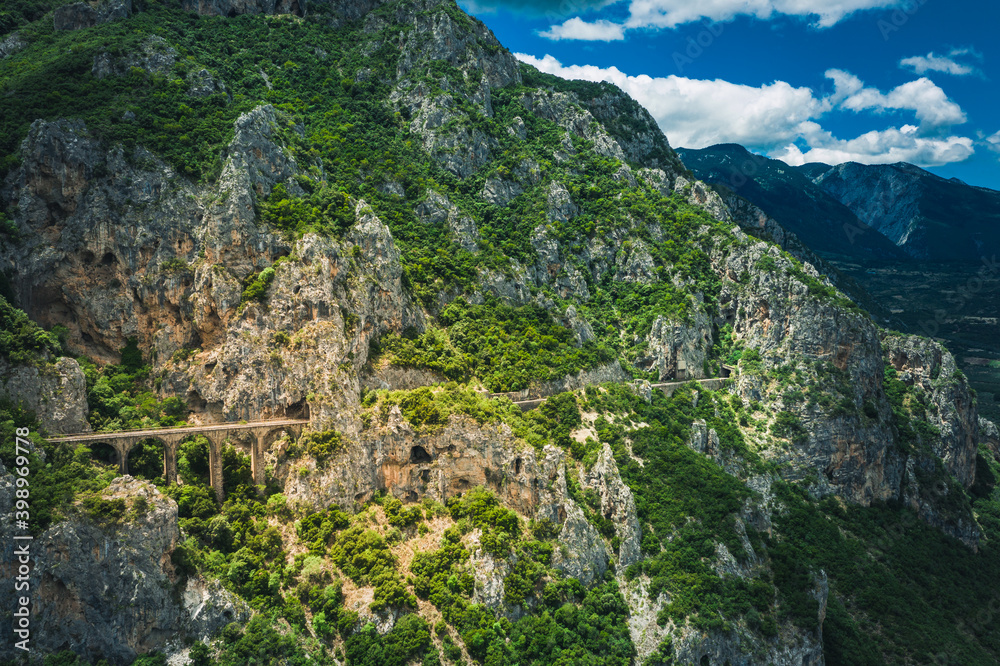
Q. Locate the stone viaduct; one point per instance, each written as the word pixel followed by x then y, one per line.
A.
pixel 262 435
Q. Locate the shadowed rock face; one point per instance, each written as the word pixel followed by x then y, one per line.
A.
pixel 928 217
pixel 927 365
pixel 412 464
pixel 126 605
pixel 989 435
pixel 236 7
pixel 80 15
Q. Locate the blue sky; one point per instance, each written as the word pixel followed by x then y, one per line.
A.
pixel 871 81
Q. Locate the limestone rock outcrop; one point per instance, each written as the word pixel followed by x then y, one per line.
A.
pixel 929 368
pixel 55 392
pixel 232 8
pixel 989 435
pixel 412 464
pixel 126 605
pixel 80 15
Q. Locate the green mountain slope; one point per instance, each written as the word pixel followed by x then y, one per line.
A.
pixel 371 215
pixel 789 196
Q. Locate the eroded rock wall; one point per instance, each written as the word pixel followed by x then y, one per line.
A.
pixel 108 592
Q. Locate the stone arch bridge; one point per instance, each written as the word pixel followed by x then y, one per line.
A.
pixel 262 433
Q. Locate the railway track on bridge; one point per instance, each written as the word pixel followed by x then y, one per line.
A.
pixel 263 434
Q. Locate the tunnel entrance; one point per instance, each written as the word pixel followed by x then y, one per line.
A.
pixel 297 410
pixel 418 454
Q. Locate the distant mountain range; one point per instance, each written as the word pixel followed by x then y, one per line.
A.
pixel 866 212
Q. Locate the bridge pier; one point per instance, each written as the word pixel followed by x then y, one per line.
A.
pixel 170 445
pixel 122 449
pixel 170 464
pixel 215 441
pixel 257 456
pixel 123 446
pixel 263 438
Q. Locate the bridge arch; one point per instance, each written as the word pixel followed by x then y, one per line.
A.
pixel 155 450
pixel 193 459
pixel 145 459
pixel 104 452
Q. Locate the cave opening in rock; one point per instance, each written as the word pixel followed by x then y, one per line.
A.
pixel 195 402
pixel 109 259
pixel 425 475
pixel 418 454
pixel 297 410
pixel 517 466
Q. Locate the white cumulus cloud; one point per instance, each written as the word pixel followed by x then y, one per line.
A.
pixel 699 113
pixel 784 120
pixel 671 13
pixel 656 14
pixel 948 64
pixel 929 103
pixel 882 147
pixel 993 142
pixel 577 28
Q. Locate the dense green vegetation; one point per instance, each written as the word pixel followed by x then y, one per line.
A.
pixel 901 592
pixel 22 341
pixel 333 110
pixel 885 567
pixel 506 348
pixel 430 408
pixel 58 473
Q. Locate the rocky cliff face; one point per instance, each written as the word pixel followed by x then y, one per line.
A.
pixel 438 464
pixel 989 435
pixel 792 199
pixel 928 217
pixel 232 8
pixel 778 316
pixel 140 252
pixel 110 591
pixel 80 15
pixel 929 368
pixel 756 222
pixel 55 392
